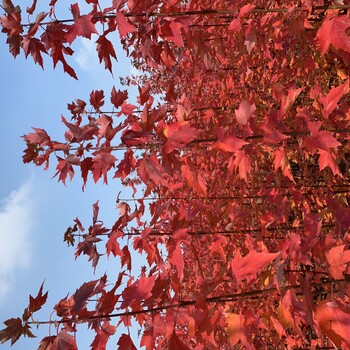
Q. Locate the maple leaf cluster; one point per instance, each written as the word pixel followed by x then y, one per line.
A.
pixel 239 173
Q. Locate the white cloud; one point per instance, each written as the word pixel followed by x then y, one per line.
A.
pixel 87 55
pixel 16 222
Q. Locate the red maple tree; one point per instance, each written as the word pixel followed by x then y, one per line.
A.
pixel 243 159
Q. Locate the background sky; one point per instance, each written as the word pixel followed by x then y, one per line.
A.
pixel 35 210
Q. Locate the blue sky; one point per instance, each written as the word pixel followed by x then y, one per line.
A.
pixel 35 210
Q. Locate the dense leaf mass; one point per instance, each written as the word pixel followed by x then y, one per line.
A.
pixel 239 140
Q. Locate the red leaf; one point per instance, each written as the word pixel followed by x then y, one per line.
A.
pixel 250 37
pixel 246 10
pixel 330 101
pixel 13 330
pixel 248 266
pixel 112 245
pixel 108 299
pixel 77 133
pixel 138 291
pixel 244 112
pixel 86 166
pixel 320 139
pixel 126 258
pixel 105 51
pixel 11 24
pixel 126 165
pixel 82 26
pixel 118 97
pixel 150 169
pixel 46 343
pixel 102 336
pixel 36 303
pixel 103 162
pixel 82 295
pixel 242 163
pixel 333 318
pixel 333 32
pixel 34 47
pixel 105 124
pixel 328 159
pixel 289 100
pixel 272 135
pixel 171 31
pixel 14 44
pixel 235 26
pixel 337 258
pixel 174 343
pixel 177 260
pixel 65 167
pixel 64 341
pixel 39 137
pixel 228 143
pixel 281 161
pixel 136 138
pixel 58 50
pixel 179 134
pixel 124 25
pixel 125 343
pixel 96 99
pixel 195 180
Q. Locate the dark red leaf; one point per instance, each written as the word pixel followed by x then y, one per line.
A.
pixel 96 99
pixel 46 343
pixel 35 48
pixel 136 138
pixel 64 341
pixel 103 162
pixel 125 343
pixel 118 97
pixel 174 343
pixel 105 51
pixel 86 166
pixel 13 330
pixel 82 295
pixel 126 258
pixel 36 303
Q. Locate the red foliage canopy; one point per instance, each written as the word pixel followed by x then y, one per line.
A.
pixel 243 160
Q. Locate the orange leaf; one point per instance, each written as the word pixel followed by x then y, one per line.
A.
pixel 337 259
pixel 334 321
pixel 234 329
